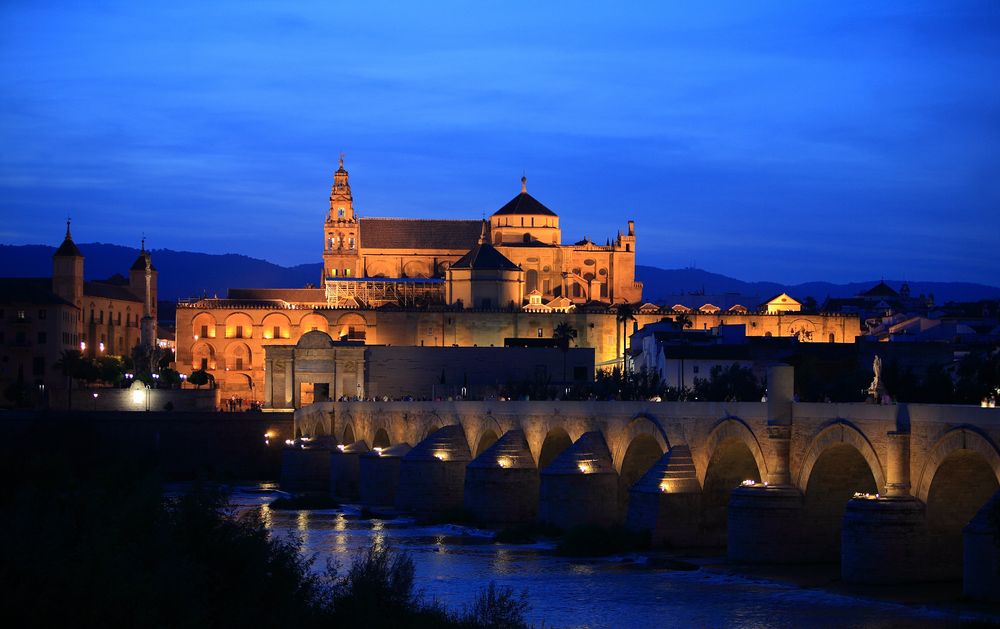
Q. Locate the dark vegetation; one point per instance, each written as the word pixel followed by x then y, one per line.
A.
pixel 89 539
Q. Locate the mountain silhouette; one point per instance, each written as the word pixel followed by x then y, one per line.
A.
pixel 184 274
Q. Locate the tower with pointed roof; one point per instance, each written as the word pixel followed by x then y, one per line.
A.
pixel 341 244
pixel 484 278
pixel 67 270
pixel 142 277
pixel 524 220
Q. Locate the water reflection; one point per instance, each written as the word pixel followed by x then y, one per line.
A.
pixel 453 563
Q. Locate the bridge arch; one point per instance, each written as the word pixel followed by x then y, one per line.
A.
pixel 838 463
pixel 733 429
pixel 959 438
pixel 380 439
pixel 347 435
pixel 733 455
pixel 642 424
pixel 962 472
pixel 840 432
pixel 556 440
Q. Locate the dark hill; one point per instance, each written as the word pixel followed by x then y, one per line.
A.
pixel 190 274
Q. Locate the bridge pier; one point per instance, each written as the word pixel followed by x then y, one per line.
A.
pixel 432 474
pixel 305 469
pixel 981 560
pixel 501 484
pixel 345 470
pixel 379 475
pixel 764 525
pixel 580 487
pixel 883 540
pixel 667 501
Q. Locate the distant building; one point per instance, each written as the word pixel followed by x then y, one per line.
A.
pixel 436 283
pixel 42 317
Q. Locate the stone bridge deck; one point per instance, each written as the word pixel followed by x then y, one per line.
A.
pixel 671 468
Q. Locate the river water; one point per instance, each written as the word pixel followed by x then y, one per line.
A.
pixel 454 562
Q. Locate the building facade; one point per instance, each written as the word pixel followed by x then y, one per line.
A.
pixel 42 317
pixel 437 283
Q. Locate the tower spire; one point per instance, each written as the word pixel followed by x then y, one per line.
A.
pixel 524 184
pixel 482 232
pixel 68 236
pixel 341 160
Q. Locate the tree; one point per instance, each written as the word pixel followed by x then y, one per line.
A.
pixel 729 384
pixel 682 321
pixel 70 363
pixel 564 333
pixel 623 314
pixel 199 377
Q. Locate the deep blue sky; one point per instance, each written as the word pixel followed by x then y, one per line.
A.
pixel 763 140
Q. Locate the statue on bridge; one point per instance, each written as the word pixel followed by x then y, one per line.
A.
pixel 877 393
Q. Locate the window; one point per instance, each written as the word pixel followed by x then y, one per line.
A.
pixel 239 363
pixel 546 286
pixel 351 244
pixel 20 315
pixel 239 331
pixel 347 272
pixel 42 314
pixel 334 272
pixel 42 337
pixel 204 364
pixel 340 212
pixel 539 333
pixel 19 337
pixel 119 319
pixel 833 337
pixel 695 369
pixel 277 331
pixel 101 319
pixel 204 331
pixel 91 315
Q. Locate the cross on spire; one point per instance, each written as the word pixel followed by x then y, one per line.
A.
pixel 68 237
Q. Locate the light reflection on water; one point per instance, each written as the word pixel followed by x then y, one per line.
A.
pixel 453 563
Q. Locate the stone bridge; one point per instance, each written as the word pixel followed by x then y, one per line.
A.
pixel 885 489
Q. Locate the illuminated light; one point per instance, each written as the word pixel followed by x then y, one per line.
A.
pixel 95 396
pixel 505 462
pixel 341 447
pixel 585 468
pixel 664 487
pixel 196 337
pixel 101 346
pixel 269 435
pixel 137 396
pixel 289 442
pixel 748 483
pixel 378 451
pixel 441 456
pixel 83 345
pixel 765 483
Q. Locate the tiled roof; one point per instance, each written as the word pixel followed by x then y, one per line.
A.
pixel 29 290
pixel 292 295
pixel 68 248
pixel 484 256
pixel 109 291
pixel 140 263
pixel 880 290
pixel 524 203
pixel 414 233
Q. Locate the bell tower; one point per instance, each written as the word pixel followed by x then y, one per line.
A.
pixel 341 244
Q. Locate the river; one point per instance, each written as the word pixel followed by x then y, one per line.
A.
pixel 454 562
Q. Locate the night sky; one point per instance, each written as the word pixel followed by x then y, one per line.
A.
pixel 764 140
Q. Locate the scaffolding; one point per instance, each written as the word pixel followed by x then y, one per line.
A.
pixel 373 293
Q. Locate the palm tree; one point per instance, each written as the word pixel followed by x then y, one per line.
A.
pixel 682 321
pixel 70 363
pixel 564 333
pixel 623 314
